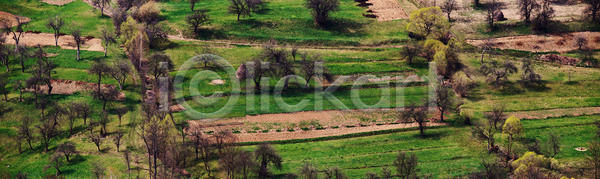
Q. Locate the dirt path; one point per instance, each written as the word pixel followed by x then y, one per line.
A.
pixel 65 41
pixel 274 136
pixel 543 43
pixel 58 2
pixel 552 113
pixel 387 10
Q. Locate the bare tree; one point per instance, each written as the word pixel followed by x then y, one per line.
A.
pixel 100 4
pixel 108 37
pixel 159 64
pixel 449 6
pixel 23 52
pixel 245 163
pixel 17 31
pixel 224 139
pixel 98 169
pixel 154 133
pixel 97 140
pixel 67 149
pixel 311 65
pixel 227 162
pixel 498 73
pixel 206 151
pixel 76 33
pixel 127 156
pixel 334 172
pixel 83 110
pixel 444 100
pixel 99 68
pixel 117 139
pixel 55 23
pixel 580 42
pixel 492 8
pixel 120 112
pixel 119 71
pixel 103 120
pixel 415 113
pixel 56 162
pixel 406 165
pixel 105 96
pixel 119 16
pixel 386 173
pixel 196 135
pixel 25 130
pixel 529 76
pixel 265 155
pixel 409 53
pixel 197 19
pixel 18 86
pixel 320 10
pixel 544 16
pixel 308 171
pixel 496 116
pixel 526 8
pixel 47 129
pixel 244 7
pixel 554 143
pixel 70 112
pixel 193 4
pixel 593 8
pixel 256 70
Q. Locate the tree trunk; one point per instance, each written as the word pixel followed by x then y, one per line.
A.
pixel 421 129
pixel 238 17
pixel 78 51
pixel 29 142
pixel 56 35
pixel 106 50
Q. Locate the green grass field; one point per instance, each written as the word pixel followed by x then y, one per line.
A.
pixel 352 45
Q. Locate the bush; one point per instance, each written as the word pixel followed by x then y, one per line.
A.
pixel 320 10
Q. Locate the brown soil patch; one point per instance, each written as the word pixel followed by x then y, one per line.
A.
pixel 274 136
pixel 387 10
pixel 65 41
pixel 58 2
pixel 308 124
pixel 552 113
pixel 69 87
pixel 12 19
pixel 542 43
pixel 581 149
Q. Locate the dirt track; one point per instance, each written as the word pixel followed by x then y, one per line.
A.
pixel 543 43
pixel 387 10
pixel 65 41
pixel 58 2
pixel 274 136
pixel 543 114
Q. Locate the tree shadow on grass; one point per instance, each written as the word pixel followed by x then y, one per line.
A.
pixel 433 135
pixel 76 159
pixel 206 34
pixel 345 27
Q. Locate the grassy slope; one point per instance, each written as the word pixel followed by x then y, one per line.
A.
pixel 289 20
pixel 76 14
